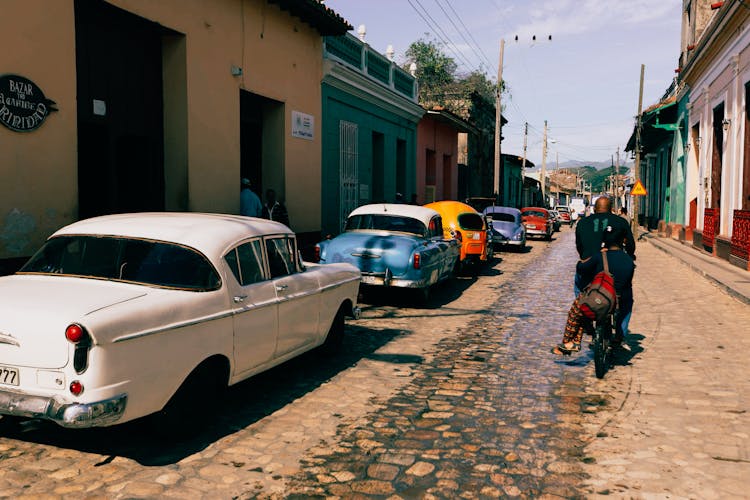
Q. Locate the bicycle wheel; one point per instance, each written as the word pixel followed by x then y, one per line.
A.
pixel 601 349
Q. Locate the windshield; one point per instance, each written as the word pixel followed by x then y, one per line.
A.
pixel 501 217
pixel 122 259
pixel 385 223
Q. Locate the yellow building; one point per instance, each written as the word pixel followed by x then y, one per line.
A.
pixel 135 105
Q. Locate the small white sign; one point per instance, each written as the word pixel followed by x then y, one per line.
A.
pixel 303 125
pixel 100 108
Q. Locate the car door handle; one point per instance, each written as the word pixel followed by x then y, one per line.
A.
pixel 281 288
pixel 239 298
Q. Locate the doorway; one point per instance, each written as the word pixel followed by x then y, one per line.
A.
pixel 120 111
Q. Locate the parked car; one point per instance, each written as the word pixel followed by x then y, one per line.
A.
pixel 122 316
pixel 506 226
pixel 468 226
pixel 564 212
pixel 394 245
pixel 556 220
pixel 479 203
pixel 537 222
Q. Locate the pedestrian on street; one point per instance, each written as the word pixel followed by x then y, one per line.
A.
pixel 622 268
pixel 624 214
pixel 250 204
pixel 274 209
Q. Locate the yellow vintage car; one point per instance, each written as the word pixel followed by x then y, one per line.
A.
pixel 469 227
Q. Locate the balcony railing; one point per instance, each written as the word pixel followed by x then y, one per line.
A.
pixel 362 58
pixel 741 234
pixel 710 226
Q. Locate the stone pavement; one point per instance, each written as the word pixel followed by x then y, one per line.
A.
pixel 728 277
pixel 678 421
pixel 458 400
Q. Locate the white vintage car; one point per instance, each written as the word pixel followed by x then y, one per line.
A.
pixel 122 316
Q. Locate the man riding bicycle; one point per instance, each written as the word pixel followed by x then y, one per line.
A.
pixel 602 229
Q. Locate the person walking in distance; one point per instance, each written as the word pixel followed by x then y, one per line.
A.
pixel 250 204
pixel 274 209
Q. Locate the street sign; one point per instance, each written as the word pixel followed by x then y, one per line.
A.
pixel 638 189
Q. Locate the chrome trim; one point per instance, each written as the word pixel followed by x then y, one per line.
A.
pixel 213 317
pixel 9 339
pixel 72 415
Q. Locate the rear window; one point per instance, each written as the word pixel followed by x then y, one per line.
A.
pixel 146 262
pixel 500 217
pixel 385 223
pixel 533 213
pixel 471 222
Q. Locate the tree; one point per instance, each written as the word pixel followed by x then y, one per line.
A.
pixel 435 70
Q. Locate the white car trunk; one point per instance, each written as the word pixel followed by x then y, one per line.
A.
pixel 38 309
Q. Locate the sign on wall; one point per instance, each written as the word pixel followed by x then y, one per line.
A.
pixel 303 125
pixel 23 106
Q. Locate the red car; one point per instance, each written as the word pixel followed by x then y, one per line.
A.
pixel 564 212
pixel 537 221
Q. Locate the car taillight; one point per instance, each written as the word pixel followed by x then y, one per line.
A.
pixel 417 260
pixel 317 253
pixel 80 338
pixel 74 333
pixel 76 388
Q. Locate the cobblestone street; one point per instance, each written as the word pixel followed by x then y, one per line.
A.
pixel 460 399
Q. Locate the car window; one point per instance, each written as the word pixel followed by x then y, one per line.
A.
pixel 280 260
pixel 534 213
pixel 142 261
pixel 436 227
pixel 471 221
pixel 386 223
pixel 246 262
pixel 501 217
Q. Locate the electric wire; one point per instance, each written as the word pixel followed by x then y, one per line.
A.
pixel 439 32
pixel 480 54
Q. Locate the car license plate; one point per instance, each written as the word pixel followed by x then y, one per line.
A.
pixel 476 236
pixel 8 376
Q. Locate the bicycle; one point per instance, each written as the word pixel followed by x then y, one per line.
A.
pixel 603 340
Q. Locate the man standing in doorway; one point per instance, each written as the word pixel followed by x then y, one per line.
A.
pixel 275 210
pixel 249 202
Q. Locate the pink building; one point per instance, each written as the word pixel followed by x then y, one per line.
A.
pixel 437 155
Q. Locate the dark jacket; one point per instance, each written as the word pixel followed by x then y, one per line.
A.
pixel 589 232
pixel 622 268
pixel 276 213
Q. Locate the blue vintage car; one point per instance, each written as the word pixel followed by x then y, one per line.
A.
pixel 394 245
pixel 507 229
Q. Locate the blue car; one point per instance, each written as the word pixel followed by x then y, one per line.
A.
pixel 507 228
pixel 394 245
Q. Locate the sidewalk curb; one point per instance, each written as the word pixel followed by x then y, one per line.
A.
pixel 706 273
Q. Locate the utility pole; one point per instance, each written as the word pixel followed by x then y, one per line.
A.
pixel 523 163
pixel 498 123
pixel 617 181
pixel 637 166
pixel 544 165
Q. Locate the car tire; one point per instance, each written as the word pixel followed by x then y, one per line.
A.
pixel 335 337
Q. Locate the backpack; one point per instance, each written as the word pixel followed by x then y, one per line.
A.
pixel 599 298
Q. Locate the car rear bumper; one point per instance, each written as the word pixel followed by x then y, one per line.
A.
pixel 74 415
pixel 382 280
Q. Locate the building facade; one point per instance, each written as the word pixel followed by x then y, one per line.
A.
pixel 369 128
pixel 715 87
pixel 157 106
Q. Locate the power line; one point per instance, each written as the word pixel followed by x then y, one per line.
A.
pixel 480 54
pixel 433 25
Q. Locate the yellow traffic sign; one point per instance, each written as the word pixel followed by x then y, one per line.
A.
pixel 638 189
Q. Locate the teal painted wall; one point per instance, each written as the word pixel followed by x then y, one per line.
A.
pixel 677 211
pixel 338 106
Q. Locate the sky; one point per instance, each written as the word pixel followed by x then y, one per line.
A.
pixel 584 82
